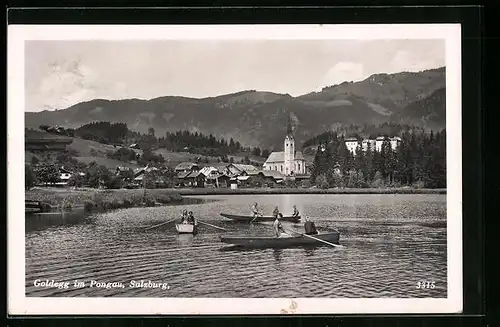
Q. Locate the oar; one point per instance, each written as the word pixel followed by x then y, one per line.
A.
pixel 168 221
pixel 314 238
pixel 258 215
pixel 201 222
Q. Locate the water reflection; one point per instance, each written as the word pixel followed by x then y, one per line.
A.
pixel 277 254
pixel 185 239
pixel 41 221
pixel 389 242
pixel 309 251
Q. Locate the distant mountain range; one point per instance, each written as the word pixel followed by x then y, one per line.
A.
pixel 259 118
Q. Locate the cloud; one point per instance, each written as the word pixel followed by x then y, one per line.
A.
pixel 67 83
pixel 343 71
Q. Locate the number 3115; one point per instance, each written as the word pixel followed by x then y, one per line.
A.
pixel 424 285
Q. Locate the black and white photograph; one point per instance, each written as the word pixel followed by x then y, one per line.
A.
pixel 273 169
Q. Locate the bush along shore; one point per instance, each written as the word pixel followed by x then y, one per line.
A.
pixel 260 191
pixel 98 200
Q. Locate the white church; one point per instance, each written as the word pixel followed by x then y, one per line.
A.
pixel 288 162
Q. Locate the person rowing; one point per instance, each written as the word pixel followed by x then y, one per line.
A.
pixel 278 227
pixel 184 217
pixel 296 212
pixel 255 211
pixel 276 212
pixel 309 227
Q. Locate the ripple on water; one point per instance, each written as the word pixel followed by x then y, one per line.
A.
pixel 390 243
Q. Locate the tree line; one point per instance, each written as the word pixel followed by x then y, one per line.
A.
pixel 419 161
pixel 179 141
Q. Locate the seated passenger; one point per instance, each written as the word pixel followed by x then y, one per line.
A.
pixel 190 218
pixel 310 227
pixel 276 211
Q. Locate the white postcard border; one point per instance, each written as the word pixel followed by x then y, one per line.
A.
pixel 18 304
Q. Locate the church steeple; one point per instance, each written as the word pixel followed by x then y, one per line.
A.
pixel 289 129
pixel 289 150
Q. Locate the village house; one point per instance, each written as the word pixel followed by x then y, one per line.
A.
pixel 233 170
pixel 214 177
pixel 218 180
pixel 271 176
pixel 139 174
pixel 195 179
pixel 64 176
pixel 288 162
pixel 186 167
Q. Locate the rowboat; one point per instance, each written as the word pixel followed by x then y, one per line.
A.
pixel 187 228
pixel 281 242
pixel 242 218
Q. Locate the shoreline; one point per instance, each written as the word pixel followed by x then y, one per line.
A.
pixel 57 199
pixel 265 191
pixel 67 200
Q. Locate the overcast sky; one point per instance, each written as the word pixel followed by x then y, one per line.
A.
pixel 62 73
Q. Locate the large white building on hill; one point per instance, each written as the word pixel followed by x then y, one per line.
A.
pixel 288 162
pixel 354 144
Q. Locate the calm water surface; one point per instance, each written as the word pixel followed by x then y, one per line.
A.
pixel 390 243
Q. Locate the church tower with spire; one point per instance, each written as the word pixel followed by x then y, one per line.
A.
pixel 289 150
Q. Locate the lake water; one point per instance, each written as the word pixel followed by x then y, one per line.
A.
pixel 389 244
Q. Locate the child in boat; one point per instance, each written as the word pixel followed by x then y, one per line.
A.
pixel 310 227
pixel 295 211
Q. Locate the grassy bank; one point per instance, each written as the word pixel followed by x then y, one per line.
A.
pixel 260 191
pixel 94 199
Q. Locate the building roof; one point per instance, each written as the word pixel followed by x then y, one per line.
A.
pixel 208 170
pixel 299 156
pixel 249 169
pixel 183 174
pixel 185 166
pixel 64 170
pixel 271 173
pixel 278 156
pixel 396 138
pixel 221 166
pixel 215 176
pixel 140 171
pixel 351 139
pixel 381 138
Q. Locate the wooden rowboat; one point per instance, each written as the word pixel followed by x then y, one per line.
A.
pixel 281 242
pixel 187 228
pixel 248 219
